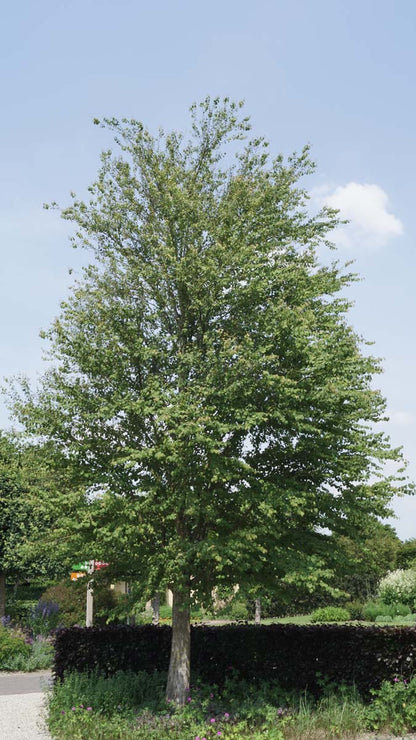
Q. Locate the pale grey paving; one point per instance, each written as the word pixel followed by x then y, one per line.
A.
pixel 22 700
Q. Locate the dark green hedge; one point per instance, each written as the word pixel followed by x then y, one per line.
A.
pixel 293 655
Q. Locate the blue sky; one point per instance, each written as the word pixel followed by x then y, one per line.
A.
pixel 338 75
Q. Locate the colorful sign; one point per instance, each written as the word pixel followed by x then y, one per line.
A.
pixel 98 564
pixel 77 574
pixel 81 566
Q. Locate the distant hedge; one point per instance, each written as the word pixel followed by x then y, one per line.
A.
pixel 298 657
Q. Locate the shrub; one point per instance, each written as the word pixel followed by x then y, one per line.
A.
pixel 239 610
pixel 70 596
pixel 43 618
pixel 355 609
pixel 394 706
pixel 12 644
pixel 399 586
pixel 364 656
pixel 374 609
pixel 330 614
pixel 39 657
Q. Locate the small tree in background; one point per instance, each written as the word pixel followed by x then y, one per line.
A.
pixel 206 380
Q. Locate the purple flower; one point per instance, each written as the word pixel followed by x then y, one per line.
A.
pixel 189 698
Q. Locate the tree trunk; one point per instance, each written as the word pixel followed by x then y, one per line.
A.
pixel 2 595
pixel 155 609
pixel 179 675
pixel 257 611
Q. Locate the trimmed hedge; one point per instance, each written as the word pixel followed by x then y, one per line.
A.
pixel 297 656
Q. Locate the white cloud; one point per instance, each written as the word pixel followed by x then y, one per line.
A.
pixel 365 206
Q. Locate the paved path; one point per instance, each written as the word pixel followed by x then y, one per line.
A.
pixel 21 705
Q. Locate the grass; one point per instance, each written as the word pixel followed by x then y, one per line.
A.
pixel 133 706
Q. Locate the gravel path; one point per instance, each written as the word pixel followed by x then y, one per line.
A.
pixel 21 706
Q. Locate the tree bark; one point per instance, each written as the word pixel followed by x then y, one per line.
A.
pixel 155 609
pixel 179 675
pixel 257 611
pixel 2 595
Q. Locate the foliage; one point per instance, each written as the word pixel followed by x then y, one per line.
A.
pixel 206 386
pixel 406 556
pixel 363 656
pixel 236 609
pixel 367 559
pixel 399 587
pixel 394 706
pixel 70 596
pixel 12 644
pixel 331 614
pixel 24 482
pixel 39 657
pixel 355 609
pixel 43 618
pixel 374 609
pixel 133 705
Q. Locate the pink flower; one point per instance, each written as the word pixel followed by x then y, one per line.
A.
pixel 219 734
pixel 89 709
pixel 212 720
pixel 226 715
pixel 189 698
pixel 74 709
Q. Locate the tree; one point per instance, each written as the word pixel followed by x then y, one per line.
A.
pixel 368 559
pixel 406 557
pixel 206 380
pixel 24 522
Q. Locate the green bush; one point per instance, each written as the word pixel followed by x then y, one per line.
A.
pixel 398 587
pixel 39 658
pixel 235 610
pixel 356 609
pixel 331 614
pixel 374 609
pixel 394 706
pixel 71 596
pixel 12 645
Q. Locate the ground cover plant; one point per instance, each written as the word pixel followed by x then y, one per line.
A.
pixel 133 705
pixel 20 652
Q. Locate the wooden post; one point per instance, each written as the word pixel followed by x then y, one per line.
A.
pixel 89 619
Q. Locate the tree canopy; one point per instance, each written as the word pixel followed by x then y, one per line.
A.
pixel 206 380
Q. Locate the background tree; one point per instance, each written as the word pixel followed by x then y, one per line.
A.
pixel 25 523
pixel 406 556
pixel 368 559
pixel 206 380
